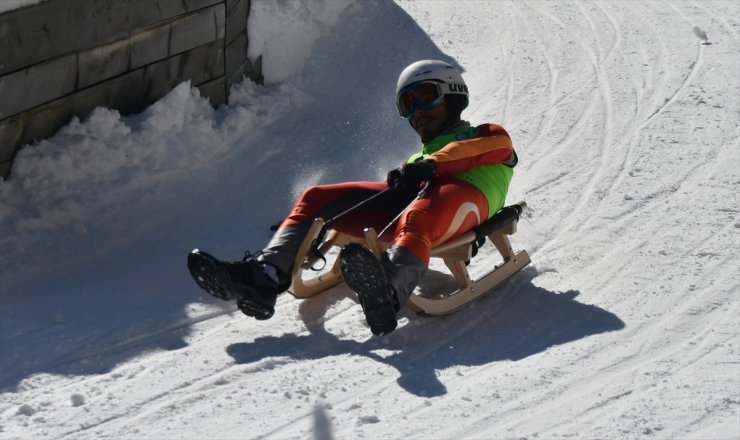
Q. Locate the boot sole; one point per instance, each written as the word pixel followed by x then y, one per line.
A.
pixel 255 310
pixel 211 276
pixel 363 273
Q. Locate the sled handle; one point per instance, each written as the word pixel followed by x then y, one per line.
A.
pixel 373 243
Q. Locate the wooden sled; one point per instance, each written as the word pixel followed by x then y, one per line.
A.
pixel 455 254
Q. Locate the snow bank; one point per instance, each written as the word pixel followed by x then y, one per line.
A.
pixel 78 186
pixel 62 180
pixel 284 33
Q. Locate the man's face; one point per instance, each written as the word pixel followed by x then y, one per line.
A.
pixel 429 123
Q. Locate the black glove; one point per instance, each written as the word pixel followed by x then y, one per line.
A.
pixel 394 178
pixel 410 176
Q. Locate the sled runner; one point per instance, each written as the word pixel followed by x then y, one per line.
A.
pixel 455 254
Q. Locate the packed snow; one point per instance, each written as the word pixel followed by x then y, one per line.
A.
pixel 283 34
pixel 626 119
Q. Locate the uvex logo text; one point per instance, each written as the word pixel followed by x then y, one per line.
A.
pixel 458 88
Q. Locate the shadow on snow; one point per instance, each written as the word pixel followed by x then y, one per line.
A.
pixel 529 320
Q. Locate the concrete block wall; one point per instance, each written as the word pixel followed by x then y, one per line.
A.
pixel 63 58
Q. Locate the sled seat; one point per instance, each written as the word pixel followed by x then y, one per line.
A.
pixel 456 254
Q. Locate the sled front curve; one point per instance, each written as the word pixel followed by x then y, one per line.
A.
pixel 301 288
pixel 306 259
pixel 468 289
pixel 454 253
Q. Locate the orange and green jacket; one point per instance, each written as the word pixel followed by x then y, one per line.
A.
pixel 481 155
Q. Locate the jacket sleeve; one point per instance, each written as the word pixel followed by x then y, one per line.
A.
pixel 491 147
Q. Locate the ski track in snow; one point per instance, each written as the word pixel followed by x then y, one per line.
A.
pixel 625 117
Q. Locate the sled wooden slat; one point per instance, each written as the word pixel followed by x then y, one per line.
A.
pixel 454 253
pixel 470 290
pixel 301 288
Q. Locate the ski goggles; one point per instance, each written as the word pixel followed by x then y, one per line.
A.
pixel 423 94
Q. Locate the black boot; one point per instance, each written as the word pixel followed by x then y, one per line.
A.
pixel 382 286
pixel 404 271
pixel 244 281
pixel 364 274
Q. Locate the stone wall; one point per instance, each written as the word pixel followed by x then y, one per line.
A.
pixel 63 58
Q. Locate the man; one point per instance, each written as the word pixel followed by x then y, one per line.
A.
pixel 468 170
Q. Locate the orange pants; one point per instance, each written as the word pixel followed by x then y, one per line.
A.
pixel 450 208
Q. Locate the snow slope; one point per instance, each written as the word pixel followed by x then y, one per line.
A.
pixel 625 117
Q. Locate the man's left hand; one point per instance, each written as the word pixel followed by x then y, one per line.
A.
pixel 410 176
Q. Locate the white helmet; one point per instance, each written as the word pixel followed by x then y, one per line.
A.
pixel 453 86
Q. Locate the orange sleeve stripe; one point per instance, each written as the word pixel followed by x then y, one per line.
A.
pixel 460 156
pixel 471 147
